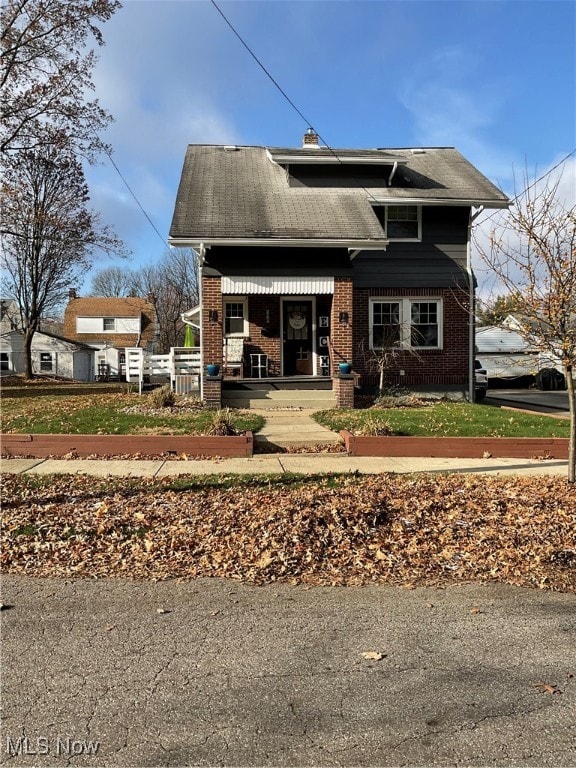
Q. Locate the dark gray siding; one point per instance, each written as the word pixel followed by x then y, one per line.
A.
pixel 436 262
pixel 301 262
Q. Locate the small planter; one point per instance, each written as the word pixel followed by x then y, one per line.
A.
pixel 456 447
pixel 212 370
pixel 344 368
pixel 51 446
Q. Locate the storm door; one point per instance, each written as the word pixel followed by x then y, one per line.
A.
pixel 297 338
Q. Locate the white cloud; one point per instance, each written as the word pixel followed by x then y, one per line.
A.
pixel 453 103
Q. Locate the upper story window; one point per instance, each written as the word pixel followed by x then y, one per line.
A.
pixel 235 317
pixel 400 222
pixel 109 324
pixel 407 323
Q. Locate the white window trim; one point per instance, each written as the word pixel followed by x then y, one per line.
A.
pixel 405 303
pixel 52 368
pixel 107 330
pixel 385 206
pixel 235 300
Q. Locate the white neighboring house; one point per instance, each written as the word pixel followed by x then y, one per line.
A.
pixel 506 354
pixel 52 355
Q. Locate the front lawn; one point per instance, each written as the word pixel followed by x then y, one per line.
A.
pixel 61 410
pixel 444 419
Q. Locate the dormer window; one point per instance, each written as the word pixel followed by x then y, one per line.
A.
pixel 400 222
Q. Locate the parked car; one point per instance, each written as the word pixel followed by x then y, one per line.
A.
pixel 480 381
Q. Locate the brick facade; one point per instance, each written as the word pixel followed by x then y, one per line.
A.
pixel 343 387
pixel 434 367
pixel 342 323
pixel 348 312
pixel 212 338
pixel 264 332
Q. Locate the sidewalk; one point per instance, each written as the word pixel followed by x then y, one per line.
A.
pixel 281 463
pixel 283 428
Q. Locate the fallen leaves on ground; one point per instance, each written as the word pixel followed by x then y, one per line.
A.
pixel 547 688
pixel 331 530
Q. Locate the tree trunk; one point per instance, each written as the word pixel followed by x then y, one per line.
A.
pixel 568 371
pixel 28 336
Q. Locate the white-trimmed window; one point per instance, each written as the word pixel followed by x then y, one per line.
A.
pixel 109 324
pixel 46 362
pixel 407 323
pixel 400 222
pixel 4 361
pixel 235 316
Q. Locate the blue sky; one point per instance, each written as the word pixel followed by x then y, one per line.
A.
pixel 494 78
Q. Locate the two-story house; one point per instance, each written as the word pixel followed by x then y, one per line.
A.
pixel 314 256
pixel 110 325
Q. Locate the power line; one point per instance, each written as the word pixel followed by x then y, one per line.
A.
pixel 533 184
pixel 133 194
pixel 285 95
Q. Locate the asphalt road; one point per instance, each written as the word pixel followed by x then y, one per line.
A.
pixel 113 673
pixel 531 399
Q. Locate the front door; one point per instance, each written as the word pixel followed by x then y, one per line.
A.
pixel 297 338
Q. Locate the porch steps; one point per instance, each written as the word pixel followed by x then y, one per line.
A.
pixel 269 396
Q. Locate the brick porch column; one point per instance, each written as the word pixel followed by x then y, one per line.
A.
pixel 212 338
pixel 341 341
pixel 343 388
pixel 341 322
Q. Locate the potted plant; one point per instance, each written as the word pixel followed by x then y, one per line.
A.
pixel 344 368
pixel 212 369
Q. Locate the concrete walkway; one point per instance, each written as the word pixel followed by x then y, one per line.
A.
pixel 279 463
pixel 292 427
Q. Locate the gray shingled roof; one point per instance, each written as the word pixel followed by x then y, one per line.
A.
pixel 242 193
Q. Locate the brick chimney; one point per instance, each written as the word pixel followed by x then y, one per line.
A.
pixel 310 139
pixel 72 293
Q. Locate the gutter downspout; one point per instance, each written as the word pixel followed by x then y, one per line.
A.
pixel 471 313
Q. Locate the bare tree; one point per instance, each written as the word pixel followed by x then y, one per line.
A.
pixel 388 353
pixel 533 255
pixel 47 72
pixel 48 233
pixel 172 287
pixel 116 282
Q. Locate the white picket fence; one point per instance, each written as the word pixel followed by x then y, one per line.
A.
pixel 181 367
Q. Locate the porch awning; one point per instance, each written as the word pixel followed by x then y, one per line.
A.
pixel 297 286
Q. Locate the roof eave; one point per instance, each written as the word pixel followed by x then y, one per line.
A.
pixel 333 157
pixel 289 242
pixel 474 203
